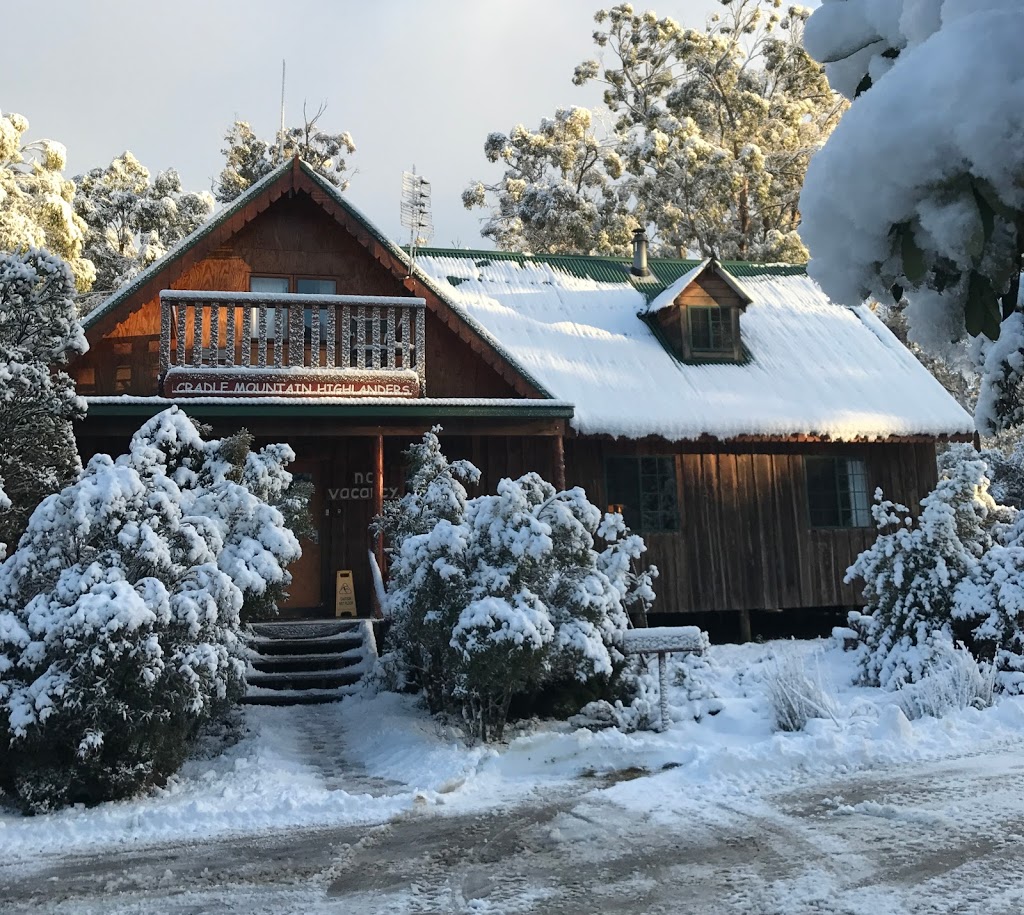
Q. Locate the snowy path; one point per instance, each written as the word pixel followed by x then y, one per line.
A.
pixel 919 839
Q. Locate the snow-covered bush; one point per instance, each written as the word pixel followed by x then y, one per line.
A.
pixel 427 582
pixel 954 681
pixel 1004 455
pixel 911 571
pixel 796 692
pixel 39 329
pixel 119 613
pixel 506 593
pixel 692 674
pixel 991 600
pixel 636 706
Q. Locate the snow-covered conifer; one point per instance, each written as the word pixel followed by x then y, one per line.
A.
pixel 911 572
pixel 119 614
pixel 39 329
pixel 428 575
pixel 36 208
pixel 991 600
pixel 711 132
pixel 132 221
pixel 248 158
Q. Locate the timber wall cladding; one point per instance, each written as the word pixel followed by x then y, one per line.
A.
pixel 746 540
pixel 294 237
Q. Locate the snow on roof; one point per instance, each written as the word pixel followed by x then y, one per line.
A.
pixel 815 368
pixel 668 296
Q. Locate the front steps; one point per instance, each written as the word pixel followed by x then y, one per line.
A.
pixel 308 662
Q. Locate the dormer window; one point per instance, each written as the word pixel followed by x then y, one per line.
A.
pixel 698 317
pixel 714 330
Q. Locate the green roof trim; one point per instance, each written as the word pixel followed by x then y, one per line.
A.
pixel 531 409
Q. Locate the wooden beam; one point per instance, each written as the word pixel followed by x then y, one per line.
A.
pixel 378 510
pixel 559 442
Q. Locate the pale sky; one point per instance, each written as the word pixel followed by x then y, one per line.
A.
pixel 414 82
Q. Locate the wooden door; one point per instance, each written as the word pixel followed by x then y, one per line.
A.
pixel 305 595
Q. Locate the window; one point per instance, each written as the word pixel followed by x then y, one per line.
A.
pixel 276 285
pixel 315 287
pixel 305 286
pixel 711 329
pixel 282 285
pixel 644 490
pixel 837 492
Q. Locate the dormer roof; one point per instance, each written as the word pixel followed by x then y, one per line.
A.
pixel 671 293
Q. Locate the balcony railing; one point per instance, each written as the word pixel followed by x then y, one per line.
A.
pixel 252 330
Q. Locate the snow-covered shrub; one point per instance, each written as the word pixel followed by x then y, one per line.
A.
pixel 505 593
pixel 503 648
pixel 991 600
pixel 427 582
pixel 691 676
pixel 638 691
pixel 1004 455
pixel 635 709
pixel 911 571
pixel 119 613
pixel 954 681
pixel 39 329
pixel 795 692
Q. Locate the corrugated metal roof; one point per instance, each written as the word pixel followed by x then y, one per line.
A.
pixel 811 367
pixel 665 270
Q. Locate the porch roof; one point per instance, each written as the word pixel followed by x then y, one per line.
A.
pixel 389 407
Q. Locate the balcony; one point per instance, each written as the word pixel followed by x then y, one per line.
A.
pixel 250 344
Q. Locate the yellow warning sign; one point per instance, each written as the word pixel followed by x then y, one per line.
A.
pixel 345 594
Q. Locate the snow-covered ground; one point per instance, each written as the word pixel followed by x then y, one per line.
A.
pixel 321 781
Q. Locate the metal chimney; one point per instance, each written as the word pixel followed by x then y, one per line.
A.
pixel 639 267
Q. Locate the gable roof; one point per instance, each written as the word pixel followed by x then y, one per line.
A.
pixel 668 296
pixel 288 177
pixel 815 369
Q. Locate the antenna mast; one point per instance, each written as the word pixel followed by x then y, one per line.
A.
pixel 416 212
pixel 280 133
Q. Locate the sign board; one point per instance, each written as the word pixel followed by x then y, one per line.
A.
pixel 229 382
pixel 656 639
pixel 344 594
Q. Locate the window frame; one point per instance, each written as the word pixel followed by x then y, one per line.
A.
pixel 293 280
pixel 859 513
pixel 728 316
pixel 639 513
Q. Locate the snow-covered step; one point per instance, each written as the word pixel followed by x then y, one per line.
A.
pixel 307 679
pixel 259 696
pixel 312 646
pixel 291 662
pixel 307 661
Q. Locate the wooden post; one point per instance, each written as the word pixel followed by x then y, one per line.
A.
pixel 559 463
pixel 663 690
pixel 378 508
pixel 745 630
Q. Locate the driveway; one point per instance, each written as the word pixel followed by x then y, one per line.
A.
pixel 939 837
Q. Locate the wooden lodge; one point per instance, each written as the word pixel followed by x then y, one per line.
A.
pixel 738 419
